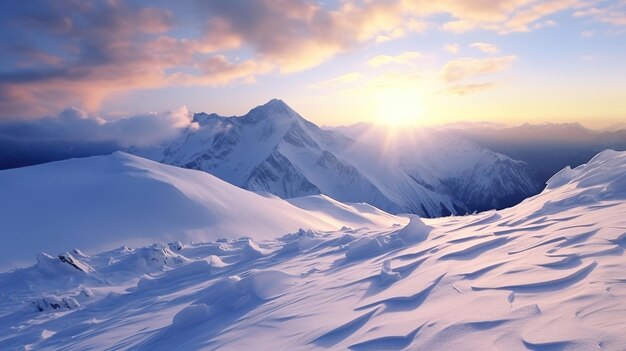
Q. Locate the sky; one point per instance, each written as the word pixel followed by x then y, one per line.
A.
pixel 336 62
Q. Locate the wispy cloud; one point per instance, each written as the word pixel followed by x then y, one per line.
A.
pixel 465 68
pixel 459 76
pixel 403 58
pixel 452 48
pixel 459 26
pixel 613 13
pixel 524 19
pixel 466 89
pixel 486 47
pixel 545 24
pixel 500 16
pixel 588 33
pixel 342 79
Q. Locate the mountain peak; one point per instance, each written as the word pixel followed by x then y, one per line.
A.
pixel 275 102
pixel 275 109
pixel 203 118
pixel 276 106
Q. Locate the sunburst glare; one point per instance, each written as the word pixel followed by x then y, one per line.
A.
pixel 398 107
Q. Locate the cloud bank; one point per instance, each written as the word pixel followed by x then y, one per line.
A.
pixel 75 125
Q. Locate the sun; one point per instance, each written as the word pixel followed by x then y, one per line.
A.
pixel 398 107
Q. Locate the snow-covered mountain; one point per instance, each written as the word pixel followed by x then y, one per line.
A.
pixel 547 274
pixel 273 149
pixel 446 163
pixel 546 147
pixel 102 202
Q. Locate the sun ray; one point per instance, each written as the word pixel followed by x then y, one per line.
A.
pixel 398 107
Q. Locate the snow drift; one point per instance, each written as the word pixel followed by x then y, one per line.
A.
pixel 105 201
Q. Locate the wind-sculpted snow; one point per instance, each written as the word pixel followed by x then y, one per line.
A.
pixel 548 274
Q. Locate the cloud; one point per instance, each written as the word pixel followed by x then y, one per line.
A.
pixel 521 21
pixel 486 48
pixel 474 11
pixel 459 26
pixel 299 34
pixel 504 16
pixel 342 79
pixel 452 48
pixel 466 89
pixel 465 68
pixel 76 125
pixel 81 53
pixel 71 52
pixel 416 25
pixel 588 33
pixel 219 70
pixel 403 58
pixel 545 24
pixel 613 13
pixel 459 75
pixel 395 34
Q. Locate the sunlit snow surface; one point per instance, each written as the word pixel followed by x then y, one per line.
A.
pixel 102 202
pixel 548 274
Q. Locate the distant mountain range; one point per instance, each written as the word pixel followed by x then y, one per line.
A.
pixel 446 163
pixel 546 148
pixel 452 169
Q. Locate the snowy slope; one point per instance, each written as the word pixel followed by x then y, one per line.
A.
pixel 547 274
pixel 275 150
pixel 106 201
